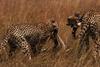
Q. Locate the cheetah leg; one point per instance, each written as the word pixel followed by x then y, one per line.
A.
pixel 96 52
pixel 13 42
pixel 25 47
pixel 38 48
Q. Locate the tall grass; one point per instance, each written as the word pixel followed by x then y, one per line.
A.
pixel 34 11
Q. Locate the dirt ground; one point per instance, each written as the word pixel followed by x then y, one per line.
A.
pixel 35 11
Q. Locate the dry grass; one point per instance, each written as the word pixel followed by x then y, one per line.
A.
pixel 34 11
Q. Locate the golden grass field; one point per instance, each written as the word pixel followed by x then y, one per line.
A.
pixel 35 11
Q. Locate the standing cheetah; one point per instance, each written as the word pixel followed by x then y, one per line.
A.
pixel 31 36
pixel 89 29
